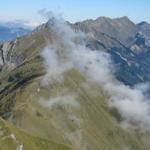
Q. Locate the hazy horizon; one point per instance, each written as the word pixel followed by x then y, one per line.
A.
pixel 74 11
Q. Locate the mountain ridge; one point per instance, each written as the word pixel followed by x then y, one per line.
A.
pixel 86 121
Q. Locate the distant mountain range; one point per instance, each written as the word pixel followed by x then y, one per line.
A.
pixel 10 32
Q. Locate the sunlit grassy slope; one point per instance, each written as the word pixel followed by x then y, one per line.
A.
pixel 88 125
pixel 12 138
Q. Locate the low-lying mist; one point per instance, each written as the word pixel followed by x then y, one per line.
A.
pixel 61 100
pixel 54 66
pixel 66 52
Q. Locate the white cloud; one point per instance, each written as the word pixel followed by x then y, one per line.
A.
pixel 61 100
pixel 55 68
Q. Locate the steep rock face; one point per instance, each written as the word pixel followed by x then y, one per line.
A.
pixel 144 27
pixel 141 42
pixel 127 43
pixel 6 54
pixel 122 29
pixel 14 53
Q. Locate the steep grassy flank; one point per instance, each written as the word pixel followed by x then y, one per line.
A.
pixel 81 121
pixel 89 125
pixel 12 81
pixel 12 138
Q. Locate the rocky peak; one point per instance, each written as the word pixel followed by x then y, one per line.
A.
pixel 143 24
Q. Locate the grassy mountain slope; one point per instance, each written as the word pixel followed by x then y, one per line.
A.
pixel 84 123
pixel 12 138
